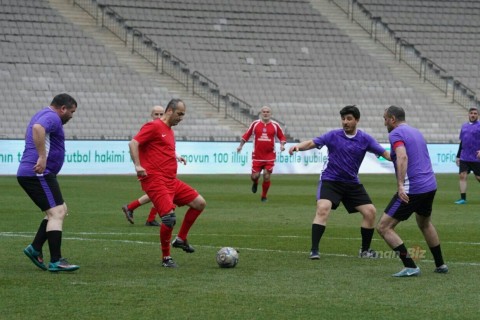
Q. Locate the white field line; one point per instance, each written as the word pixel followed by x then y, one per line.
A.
pixel 30 235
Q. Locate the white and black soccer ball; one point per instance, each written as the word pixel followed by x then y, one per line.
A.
pixel 227 257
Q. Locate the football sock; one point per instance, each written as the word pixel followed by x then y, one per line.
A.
pixel 55 244
pixel 152 214
pixel 134 205
pixel 404 256
pixel 265 187
pixel 367 235
pixel 41 236
pixel 165 237
pixel 463 196
pixel 190 216
pixel 317 233
pixel 437 255
pixel 255 180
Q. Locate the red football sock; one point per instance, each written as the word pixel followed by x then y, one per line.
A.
pixel 190 216
pixel 265 187
pixel 152 214
pixel 134 205
pixel 165 237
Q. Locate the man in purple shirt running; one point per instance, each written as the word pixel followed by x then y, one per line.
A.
pixel 468 156
pixel 41 161
pixel 339 178
pixel 416 188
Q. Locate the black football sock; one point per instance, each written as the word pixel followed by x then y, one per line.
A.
pixel 437 255
pixel 317 233
pixel 463 196
pixel 41 236
pixel 55 243
pixel 367 235
pixel 408 262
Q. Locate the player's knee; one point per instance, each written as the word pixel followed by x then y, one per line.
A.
pixel 169 220
pixel 200 203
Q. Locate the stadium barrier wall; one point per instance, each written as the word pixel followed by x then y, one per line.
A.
pixel 100 157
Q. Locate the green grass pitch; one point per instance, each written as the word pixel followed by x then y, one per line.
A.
pixel 121 275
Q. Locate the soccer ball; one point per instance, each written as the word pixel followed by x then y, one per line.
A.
pixel 227 257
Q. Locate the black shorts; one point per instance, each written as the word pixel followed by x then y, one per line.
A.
pixel 419 203
pixel 469 166
pixel 350 194
pixel 43 190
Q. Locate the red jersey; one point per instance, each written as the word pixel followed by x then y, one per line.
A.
pixel 156 149
pixel 264 139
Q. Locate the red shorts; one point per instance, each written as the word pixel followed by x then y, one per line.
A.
pixel 257 166
pixel 167 195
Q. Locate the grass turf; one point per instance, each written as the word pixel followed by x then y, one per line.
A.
pixel 121 275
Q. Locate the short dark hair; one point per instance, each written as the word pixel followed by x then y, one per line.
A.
pixel 353 110
pixel 173 104
pixel 472 108
pixel 397 112
pixel 63 99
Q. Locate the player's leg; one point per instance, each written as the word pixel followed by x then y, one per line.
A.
pixel 186 195
pixel 395 212
pixel 428 230
pixel 356 199
pixel 132 206
pixel 462 182
pixel 367 230
pixel 319 225
pixel 162 199
pixel 267 172
pixel 151 222
pixel 255 176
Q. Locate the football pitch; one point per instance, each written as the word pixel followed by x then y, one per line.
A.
pixel 121 276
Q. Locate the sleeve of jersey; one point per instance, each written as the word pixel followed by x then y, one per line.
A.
pixel 398 144
pixel 145 133
pixel 249 132
pixel 280 134
pixel 47 123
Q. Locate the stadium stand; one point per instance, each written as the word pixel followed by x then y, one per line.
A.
pixel 282 53
pixel 42 55
pixel 444 31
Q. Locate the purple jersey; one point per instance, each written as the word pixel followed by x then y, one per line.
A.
pixel 54 144
pixel 470 138
pixel 345 154
pixel 420 177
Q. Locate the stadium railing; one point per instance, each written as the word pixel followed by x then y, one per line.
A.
pixel 407 53
pixel 164 61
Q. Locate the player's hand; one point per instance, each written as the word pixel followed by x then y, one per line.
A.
pixel 239 149
pixel 293 149
pixel 182 160
pixel 141 172
pixel 282 148
pixel 457 161
pixel 40 166
pixel 403 195
pixel 478 154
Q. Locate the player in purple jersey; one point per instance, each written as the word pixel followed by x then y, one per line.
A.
pixel 339 179
pixel 41 161
pixel 468 156
pixel 416 188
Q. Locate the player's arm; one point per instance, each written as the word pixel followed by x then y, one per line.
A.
pixel 457 159
pixel 402 164
pixel 133 146
pixel 240 146
pixel 302 146
pixel 38 135
pixel 386 155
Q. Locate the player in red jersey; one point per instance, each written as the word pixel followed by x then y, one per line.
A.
pixel 157 113
pixel 263 157
pixel 153 154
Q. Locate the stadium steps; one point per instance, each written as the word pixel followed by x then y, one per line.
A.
pixel 400 70
pixel 77 16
